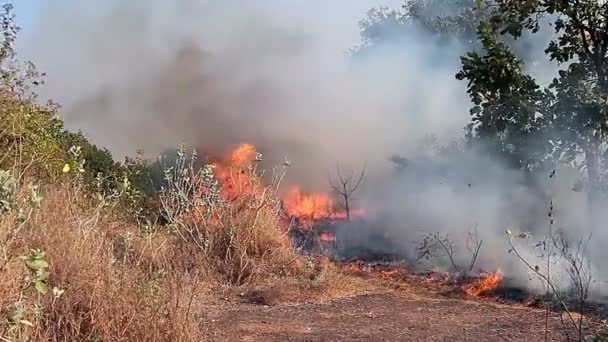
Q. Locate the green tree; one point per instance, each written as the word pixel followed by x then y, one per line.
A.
pixel 509 108
pixel 570 115
pixel 445 20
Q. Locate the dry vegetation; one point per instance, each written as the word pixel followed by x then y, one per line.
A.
pixel 88 252
pixel 74 269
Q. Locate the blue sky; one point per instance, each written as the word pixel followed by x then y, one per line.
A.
pixel 27 12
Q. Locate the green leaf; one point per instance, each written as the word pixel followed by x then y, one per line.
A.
pixel 41 287
pixel 36 264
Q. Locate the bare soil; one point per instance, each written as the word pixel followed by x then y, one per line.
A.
pixel 389 314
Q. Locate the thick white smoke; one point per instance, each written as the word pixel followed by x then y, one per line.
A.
pixel 151 74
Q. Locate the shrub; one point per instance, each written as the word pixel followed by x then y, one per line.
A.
pixel 234 224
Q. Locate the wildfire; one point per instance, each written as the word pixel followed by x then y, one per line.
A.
pixel 309 208
pixel 242 155
pixel 488 282
pixel 327 237
pixel 234 172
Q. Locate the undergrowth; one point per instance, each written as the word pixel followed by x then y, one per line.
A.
pixel 96 250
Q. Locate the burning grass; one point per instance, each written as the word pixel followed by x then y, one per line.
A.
pixel 226 217
pixel 485 284
pixel 73 269
pixel 488 282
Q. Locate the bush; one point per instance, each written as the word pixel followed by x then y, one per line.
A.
pixel 234 224
pixel 90 277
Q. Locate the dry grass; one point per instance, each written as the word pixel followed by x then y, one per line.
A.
pixel 323 282
pixel 118 284
pixel 233 226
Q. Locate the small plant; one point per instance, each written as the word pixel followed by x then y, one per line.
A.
pixel 188 187
pixel 38 267
pixel 76 163
pixel 34 198
pixel 8 191
pixel 15 313
pixel 578 268
pixel 436 245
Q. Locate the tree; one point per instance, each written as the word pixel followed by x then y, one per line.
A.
pixel 509 107
pixel 345 187
pixel 570 115
pixel 446 20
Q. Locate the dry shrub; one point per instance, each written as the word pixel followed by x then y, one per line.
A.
pixel 231 220
pixel 231 223
pixel 243 242
pixel 106 280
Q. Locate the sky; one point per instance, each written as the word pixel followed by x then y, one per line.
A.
pixel 28 12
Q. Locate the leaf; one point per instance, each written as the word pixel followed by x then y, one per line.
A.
pixel 36 264
pixel 41 287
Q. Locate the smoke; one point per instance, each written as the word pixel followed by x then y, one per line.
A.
pixel 151 74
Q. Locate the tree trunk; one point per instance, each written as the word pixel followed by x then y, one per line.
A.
pixel 593 174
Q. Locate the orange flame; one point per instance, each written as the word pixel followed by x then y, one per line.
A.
pixel 488 282
pixel 234 172
pixel 242 155
pixel 312 207
pixel 327 237
pixel 308 207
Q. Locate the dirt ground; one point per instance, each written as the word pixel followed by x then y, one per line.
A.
pixel 388 315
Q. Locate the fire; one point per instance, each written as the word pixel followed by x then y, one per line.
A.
pixel 234 172
pixel 242 155
pixel 309 208
pixel 488 282
pixel 327 237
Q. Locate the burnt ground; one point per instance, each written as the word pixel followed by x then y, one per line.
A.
pixel 381 314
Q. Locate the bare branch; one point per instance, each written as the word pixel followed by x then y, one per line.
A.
pixel 344 188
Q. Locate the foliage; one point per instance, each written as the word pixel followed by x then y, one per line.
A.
pixel 509 109
pixel 568 117
pixel 445 20
pixel 38 266
pixel 8 191
pixel 188 188
pixel 237 235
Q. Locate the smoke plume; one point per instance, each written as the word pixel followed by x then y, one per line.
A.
pixel 151 74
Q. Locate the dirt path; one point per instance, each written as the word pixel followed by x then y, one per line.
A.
pixel 388 316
